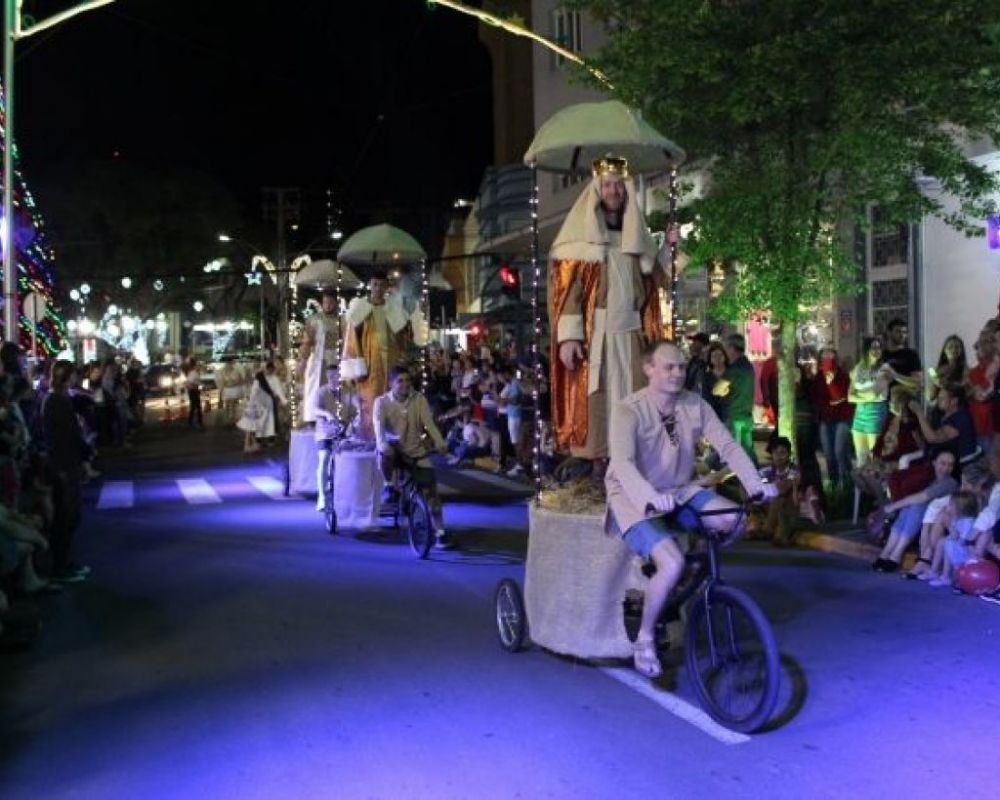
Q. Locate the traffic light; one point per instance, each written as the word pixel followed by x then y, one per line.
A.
pixel 510 282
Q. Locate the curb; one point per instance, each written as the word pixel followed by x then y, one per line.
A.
pixel 862 551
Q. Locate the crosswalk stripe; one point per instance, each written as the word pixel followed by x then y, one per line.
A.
pixel 198 491
pixel 270 486
pixel 117 494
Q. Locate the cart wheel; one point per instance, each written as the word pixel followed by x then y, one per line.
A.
pixel 286 477
pixel 420 528
pixel 329 515
pixel 512 621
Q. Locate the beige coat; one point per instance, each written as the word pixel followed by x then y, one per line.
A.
pixel 645 464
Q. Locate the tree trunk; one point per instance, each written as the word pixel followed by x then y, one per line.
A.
pixel 787 371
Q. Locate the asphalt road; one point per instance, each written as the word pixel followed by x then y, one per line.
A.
pixel 232 649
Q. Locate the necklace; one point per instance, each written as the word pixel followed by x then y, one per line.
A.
pixel 669 422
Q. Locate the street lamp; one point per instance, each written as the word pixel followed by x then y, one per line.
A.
pixel 253 277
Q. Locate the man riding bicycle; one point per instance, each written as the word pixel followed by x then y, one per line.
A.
pixel 400 418
pixel 652 454
pixel 336 410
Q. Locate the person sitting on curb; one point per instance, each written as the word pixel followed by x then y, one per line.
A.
pixel 911 512
pixel 783 512
pixel 952 551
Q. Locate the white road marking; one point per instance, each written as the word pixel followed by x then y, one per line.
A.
pixel 198 491
pixel 272 487
pixel 117 494
pixel 676 706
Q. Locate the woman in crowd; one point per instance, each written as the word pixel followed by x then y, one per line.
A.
pixel 981 390
pixel 898 446
pixel 952 367
pixel 911 512
pixel 869 402
pixel 260 415
pixel 830 390
pixel 715 387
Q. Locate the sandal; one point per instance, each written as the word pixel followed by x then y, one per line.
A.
pixel 645 660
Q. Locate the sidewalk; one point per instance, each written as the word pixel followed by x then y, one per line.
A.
pixel 845 538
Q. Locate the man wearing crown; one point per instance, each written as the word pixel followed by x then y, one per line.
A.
pixel 603 307
pixel 376 331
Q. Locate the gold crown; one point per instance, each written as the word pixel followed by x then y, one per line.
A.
pixel 611 165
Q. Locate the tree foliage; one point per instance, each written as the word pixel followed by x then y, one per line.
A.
pixel 805 112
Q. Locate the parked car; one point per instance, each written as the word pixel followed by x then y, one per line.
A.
pixel 163 379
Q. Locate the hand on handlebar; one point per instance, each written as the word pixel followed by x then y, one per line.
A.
pixel 662 504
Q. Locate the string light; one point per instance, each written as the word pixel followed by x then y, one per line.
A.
pixel 673 239
pixel 425 311
pixel 536 336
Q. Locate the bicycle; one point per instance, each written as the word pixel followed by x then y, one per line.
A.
pixel 412 505
pixel 729 646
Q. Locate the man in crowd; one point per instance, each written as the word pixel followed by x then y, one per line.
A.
pixel 318 350
pixel 603 276
pixel 376 331
pixel 901 364
pixel 739 407
pixel 400 418
pixel 654 432
pixel 697 363
pixel 336 410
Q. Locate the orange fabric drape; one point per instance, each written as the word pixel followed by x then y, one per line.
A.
pixel 569 389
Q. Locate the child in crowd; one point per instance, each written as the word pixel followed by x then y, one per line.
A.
pixel 783 512
pixel 958 546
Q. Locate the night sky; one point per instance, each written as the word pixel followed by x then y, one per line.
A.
pixel 386 102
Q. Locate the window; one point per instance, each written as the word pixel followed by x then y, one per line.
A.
pixel 560 182
pixel 567 29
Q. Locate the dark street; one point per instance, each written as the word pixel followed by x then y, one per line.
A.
pixel 234 649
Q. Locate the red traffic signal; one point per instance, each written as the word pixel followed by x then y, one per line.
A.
pixel 509 276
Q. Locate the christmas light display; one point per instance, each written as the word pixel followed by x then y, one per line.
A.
pixel 34 260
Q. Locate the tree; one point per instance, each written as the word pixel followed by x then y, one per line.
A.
pixel 34 263
pixel 805 113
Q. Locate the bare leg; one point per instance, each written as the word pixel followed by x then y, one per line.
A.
pixel 669 563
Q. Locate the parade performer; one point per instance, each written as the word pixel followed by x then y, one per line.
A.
pixel 603 307
pixel 318 350
pixel 376 331
pixel 336 413
pixel 654 433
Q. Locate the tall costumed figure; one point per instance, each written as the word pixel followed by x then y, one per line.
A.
pixel 604 273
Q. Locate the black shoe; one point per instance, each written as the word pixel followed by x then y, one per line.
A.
pixel 71 574
pixel 885 565
pixel 991 597
pixel 444 541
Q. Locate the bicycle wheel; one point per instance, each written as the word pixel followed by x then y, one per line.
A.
pixel 732 658
pixel 512 621
pixel 420 528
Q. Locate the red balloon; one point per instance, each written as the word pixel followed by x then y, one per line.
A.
pixel 978 577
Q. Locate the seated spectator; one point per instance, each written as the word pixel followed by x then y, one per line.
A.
pixel 476 442
pixel 20 539
pixel 957 547
pixel 955 432
pixel 977 480
pixel 782 512
pixel 911 510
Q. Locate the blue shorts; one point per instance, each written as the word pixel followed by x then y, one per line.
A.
pixel 645 535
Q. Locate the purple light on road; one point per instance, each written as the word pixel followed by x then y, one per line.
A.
pixel 993 231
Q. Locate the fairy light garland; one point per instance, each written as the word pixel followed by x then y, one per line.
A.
pixel 425 312
pixel 536 336
pixel 672 242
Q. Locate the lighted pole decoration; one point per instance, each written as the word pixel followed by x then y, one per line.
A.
pixel 15 29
